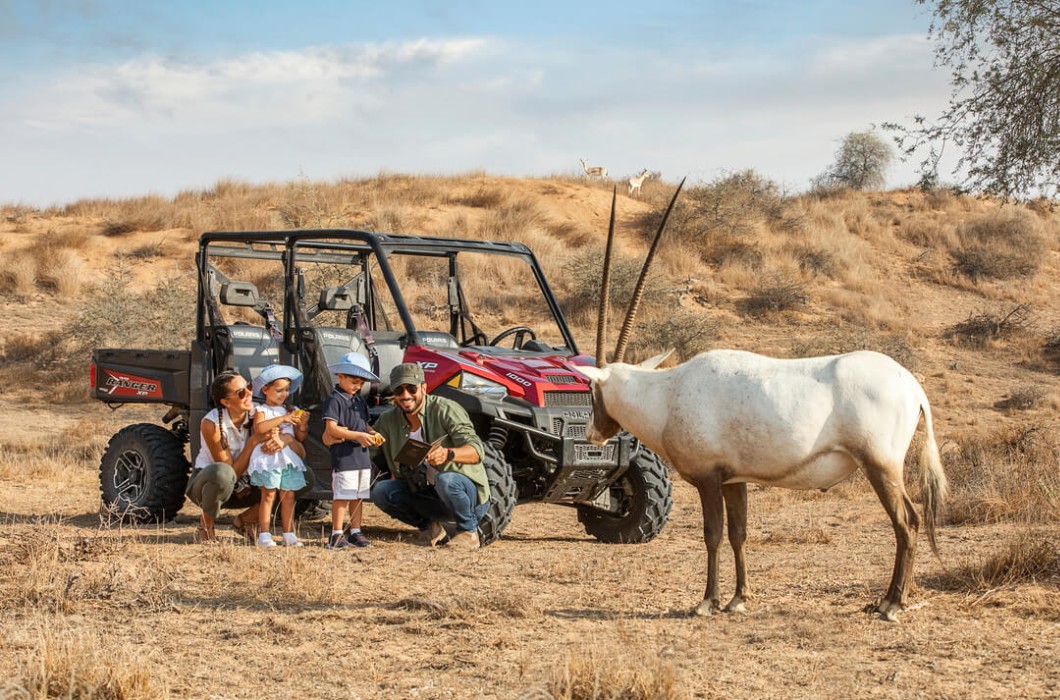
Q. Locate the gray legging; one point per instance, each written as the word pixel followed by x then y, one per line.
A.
pixel 211 486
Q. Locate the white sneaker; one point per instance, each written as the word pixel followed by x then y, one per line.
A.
pixel 265 540
pixel 291 540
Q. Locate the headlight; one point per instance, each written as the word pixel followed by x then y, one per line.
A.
pixel 479 386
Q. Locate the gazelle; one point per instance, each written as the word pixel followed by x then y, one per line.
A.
pixel 593 171
pixel 636 182
pixel 726 418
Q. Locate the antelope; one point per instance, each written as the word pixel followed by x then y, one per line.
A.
pixel 727 418
pixel 593 171
pixel 636 182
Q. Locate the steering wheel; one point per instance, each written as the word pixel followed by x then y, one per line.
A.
pixel 478 338
pixel 520 333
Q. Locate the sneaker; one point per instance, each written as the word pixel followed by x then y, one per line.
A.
pixel 357 539
pixel 432 536
pixel 291 540
pixel 338 542
pixel 265 540
pixel 465 539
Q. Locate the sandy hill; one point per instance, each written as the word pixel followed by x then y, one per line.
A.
pixel 743 265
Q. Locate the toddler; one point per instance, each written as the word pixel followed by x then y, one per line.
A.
pixel 282 471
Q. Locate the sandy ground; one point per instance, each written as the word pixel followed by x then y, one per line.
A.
pixel 402 621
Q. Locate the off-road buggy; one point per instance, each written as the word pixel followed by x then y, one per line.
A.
pixel 305 298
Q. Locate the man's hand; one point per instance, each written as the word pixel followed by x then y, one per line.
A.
pixel 437 456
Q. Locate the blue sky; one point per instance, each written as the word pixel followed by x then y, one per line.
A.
pixel 116 99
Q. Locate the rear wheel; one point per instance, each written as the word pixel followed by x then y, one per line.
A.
pixel 641 500
pixel 502 496
pixel 143 473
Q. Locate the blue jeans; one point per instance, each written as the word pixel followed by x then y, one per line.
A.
pixel 453 497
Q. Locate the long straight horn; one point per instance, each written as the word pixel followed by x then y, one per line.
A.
pixel 638 291
pixel 605 287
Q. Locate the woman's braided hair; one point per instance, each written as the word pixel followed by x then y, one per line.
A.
pixel 219 391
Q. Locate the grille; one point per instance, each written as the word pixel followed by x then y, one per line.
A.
pixel 561 379
pixel 573 429
pixel 569 398
pixel 591 454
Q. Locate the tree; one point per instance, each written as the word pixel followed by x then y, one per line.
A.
pixel 1004 108
pixel 860 162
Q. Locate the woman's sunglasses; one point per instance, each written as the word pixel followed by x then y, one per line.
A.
pixel 240 393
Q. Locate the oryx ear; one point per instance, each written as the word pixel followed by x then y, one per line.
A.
pixel 593 373
pixel 653 362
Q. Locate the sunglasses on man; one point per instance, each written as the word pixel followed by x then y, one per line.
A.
pixel 409 389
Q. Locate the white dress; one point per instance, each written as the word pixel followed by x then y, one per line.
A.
pixel 276 462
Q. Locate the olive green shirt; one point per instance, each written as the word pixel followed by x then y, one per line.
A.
pixel 439 416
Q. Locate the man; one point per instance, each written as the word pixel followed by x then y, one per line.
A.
pixel 455 487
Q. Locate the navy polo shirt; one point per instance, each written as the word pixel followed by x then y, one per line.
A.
pixel 349 412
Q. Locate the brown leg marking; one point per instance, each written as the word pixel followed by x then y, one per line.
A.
pixel 736 512
pixel 887 482
pixel 713 507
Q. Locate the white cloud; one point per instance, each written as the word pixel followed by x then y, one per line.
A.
pixel 437 105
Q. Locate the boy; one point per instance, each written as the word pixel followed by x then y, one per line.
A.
pixel 349 436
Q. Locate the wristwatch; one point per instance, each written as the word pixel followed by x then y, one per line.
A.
pixel 450 455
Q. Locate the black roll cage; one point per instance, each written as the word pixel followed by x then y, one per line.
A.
pixel 345 246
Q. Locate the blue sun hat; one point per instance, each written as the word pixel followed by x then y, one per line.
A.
pixel 274 372
pixel 354 364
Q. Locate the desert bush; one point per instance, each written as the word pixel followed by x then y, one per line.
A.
pixel 115 316
pixel 842 339
pixel 726 209
pixel 307 204
pixel 1008 474
pixel 63 273
pixel 685 332
pixel 979 329
pixel 19 274
pixel 1005 244
pixel 816 261
pixel 729 251
pixel 1022 398
pixel 775 294
pixel 583 275
pixel 1028 557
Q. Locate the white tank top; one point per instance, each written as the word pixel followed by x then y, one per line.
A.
pixel 237 438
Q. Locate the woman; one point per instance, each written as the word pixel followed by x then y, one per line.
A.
pixel 226 444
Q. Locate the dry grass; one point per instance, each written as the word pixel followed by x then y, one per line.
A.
pixel 1005 244
pixel 1007 475
pixel 598 675
pixel 65 661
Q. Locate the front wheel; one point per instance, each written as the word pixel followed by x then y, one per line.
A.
pixel 641 500
pixel 143 473
pixel 502 496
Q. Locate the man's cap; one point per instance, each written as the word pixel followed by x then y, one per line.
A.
pixel 407 373
pixel 354 364
pixel 274 372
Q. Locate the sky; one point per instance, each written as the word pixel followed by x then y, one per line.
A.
pixel 126 98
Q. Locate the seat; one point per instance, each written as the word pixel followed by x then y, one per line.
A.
pixel 253 349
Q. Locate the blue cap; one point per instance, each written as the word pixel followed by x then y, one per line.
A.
pixel 354 364
pixel 274 372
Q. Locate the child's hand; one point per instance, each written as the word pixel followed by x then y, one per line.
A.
pixel 364 439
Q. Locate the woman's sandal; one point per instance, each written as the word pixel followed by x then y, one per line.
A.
pixel 249 531
pixel 205 535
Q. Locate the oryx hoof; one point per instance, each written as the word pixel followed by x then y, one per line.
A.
pixel 736 605
pixel 706 608
pixel 886 609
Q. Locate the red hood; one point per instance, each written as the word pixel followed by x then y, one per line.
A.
pixel 525 377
